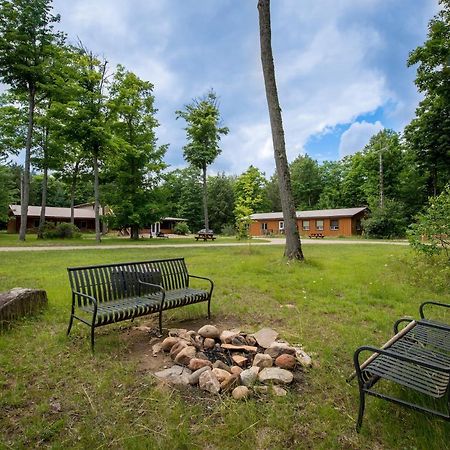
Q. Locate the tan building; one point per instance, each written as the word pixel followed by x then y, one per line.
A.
pixel 327 222
pixel 84 216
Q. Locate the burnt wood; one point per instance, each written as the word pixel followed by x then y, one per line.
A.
pixel 111 293
pixel 417 358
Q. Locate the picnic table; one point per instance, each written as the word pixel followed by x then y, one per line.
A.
pixel 205 235
pixel 316 235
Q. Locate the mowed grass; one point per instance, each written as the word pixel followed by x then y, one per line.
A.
pixel 55 393
pixel 88 239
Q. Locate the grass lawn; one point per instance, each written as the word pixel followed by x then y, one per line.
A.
pixel 55 393
pixel 12 240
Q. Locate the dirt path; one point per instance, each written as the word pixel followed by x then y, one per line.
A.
pixel 274 241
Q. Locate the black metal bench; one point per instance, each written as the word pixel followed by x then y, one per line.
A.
pixel 112 293
pixel 417 357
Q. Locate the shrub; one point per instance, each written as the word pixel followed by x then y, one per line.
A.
pixel 181 228
pixel 228 230
pixel 387 222
pixel 431 234
pixel 61 231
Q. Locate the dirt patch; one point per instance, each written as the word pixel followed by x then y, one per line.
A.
pixel 140 339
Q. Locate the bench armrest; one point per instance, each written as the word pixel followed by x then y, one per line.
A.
pixel 85 296
pixel 391 354
pixel 421 308
pixel 157 286
pixel 204 278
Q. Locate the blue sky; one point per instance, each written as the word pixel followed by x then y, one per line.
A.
pixel 340 64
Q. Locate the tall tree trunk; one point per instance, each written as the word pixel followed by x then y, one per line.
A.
pixel 293 249
pixel 40 233
pixel 134 232
pixel 26 172
pixel 205 198
pixel 72 191
pixel 97 200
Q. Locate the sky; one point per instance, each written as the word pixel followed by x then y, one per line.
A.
pixel 340 67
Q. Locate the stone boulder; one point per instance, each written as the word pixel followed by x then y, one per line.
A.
pixel 209 331
pixel 275 375
pixel 208 382
pixel 19 302
pixel 175 375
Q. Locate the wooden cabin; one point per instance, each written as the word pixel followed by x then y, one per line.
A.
pixel 84 216
pixel 326 222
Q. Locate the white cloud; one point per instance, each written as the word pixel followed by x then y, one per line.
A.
pixel 357 136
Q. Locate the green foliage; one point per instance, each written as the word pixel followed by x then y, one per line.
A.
pixel 243 220
pixel 203 135
pixel 181 228
pixel 8 192
pixel 228 230
pixel 220 201
pixel 134 170
pixel 429 132
pixel 249 189
pixel 63 230
pixel 431 233
pixel 386 222
pixel 203 130
pixel 306 182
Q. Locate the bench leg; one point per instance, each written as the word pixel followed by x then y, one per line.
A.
pixel 362 401
pixel 70 324
pixel 92 337
pixel 160 322
pixel 209 308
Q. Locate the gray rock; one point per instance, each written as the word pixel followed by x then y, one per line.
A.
pixel 194 377
pixel 278 348
pixel 265 337
pixel 262 360
pixel 209 343
pixel 177 348
pixel 209 331
pixel 185 355
pixel 175 375
pixel 221 365
pixel 240 392
pixel 168 343
pixel 208 382
pixel 227 336
pixel 19 302
pixel 279 391
pixel 248 377
pixel 303 358
pixel 275 375
pixel 221 375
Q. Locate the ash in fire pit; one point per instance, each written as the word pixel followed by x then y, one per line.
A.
pixel 230 360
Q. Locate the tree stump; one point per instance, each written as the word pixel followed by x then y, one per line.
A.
pixel 19 302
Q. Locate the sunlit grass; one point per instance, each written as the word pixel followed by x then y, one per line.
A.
pixel 54 393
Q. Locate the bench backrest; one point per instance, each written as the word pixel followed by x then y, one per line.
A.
pixel 108 282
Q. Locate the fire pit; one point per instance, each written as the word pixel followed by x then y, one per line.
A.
pixel 220 361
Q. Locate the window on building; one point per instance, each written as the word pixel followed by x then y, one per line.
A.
pixel 36 223
pixel 264 226
pixel 319 225
pixel 83 224
pixel 281 225
pixel 334 224
pixel 305 225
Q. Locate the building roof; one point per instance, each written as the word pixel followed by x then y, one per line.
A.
pixel 316 214
pixel 174 219
pixel 51 211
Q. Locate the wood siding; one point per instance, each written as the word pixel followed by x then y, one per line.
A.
pixel 347 226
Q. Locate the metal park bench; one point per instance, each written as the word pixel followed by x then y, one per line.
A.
pixel 417 358
pixel 111 293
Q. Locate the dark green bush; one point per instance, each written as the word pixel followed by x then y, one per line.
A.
pixel 61 231
pixel 387 222
pixel 181 228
